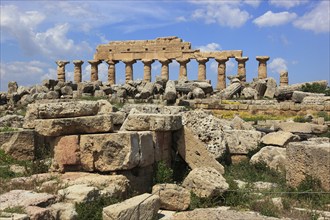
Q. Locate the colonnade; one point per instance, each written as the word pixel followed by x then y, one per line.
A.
pixel 221 79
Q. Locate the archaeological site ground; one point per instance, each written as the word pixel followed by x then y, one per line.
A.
pixel 165 149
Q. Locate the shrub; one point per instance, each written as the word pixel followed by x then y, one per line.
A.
pixel 316 88
pixel 93 210
pixel 324 115
pixel 198 202
pixel 301 119
pixel 163 173
pixel 265 207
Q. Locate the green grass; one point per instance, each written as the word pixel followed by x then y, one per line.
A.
pixel 324 115
pixel 15 209
pixel 302 119
pixel 316 88
pixel 7 129
pixel 93 210
pixel 163 173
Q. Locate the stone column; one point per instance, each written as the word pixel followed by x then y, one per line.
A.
pixel 164 70
pixel 147 70
pixel 77 70
pixel 262 68
pixel 61 69
pixel 241 71
pixel 221 84
pixel 183 68
pixel 284 78
pixel 94 69
pixel 112 71
pixel 129 69
pixel 202 68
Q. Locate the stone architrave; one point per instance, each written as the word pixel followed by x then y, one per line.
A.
pixel 129 69
pixel 164 70
pixel 61 69
pixel 241 71
pixel 147 70
pixel 221 84
pixel 77 70
pixel 284 78
pixel 94 69
pixel 183 68
pixel 112 71
pixel 202 68
pixel 262 68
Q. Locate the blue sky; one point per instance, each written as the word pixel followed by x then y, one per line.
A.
pixel 294 33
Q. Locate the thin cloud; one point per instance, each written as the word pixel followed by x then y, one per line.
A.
pixel 278 64
pixel 287 3
pixel 210 47
pixel 317 20
pixel 270 19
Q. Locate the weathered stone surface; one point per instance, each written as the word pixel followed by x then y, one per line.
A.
pixel 146 146
pixel 152 122
pixel 66 153
pixel 66 126
pixel 25 198
pixel 109 152
pixel 298 96
pixel 273 157
pixel 280 138
pixel 231 90
pixel 12 87
pixel 148 90
pixel 308 158
pixel 271 88
pixel 316 100
pixel 16 216
pixel 220 213
pixel 172 196
pixel 38 213
pixel 64 211
pixel 306 128
pixel 19 144
pixel 198 93
pixel 170 92
pixel 205 182
pixel 13 121
pixel 239 124
pixel 250 93
pixel 194 152
pixel 109 185
pixel 163 146
pixel 79 193
pixel 142 207
pixel 261 86
pixel 242 141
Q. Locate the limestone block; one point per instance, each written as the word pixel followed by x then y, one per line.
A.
pixel 308 158
pixel 79 193
pixel 66 153
pixel 198 93
pixel 146 145
pixel 16 216
pixel 148 90
pixel 194 152
pixel 13 121
pixel 316 100
pixel 12 87
pixel 250 93
pixel 205 182
pixel 170 91
pixel 231 90
pixel 280 138
pixel 109 152
pixel 19 144
pixel 25 198
pixel 64 211
pixel 273 157
pixel 152 122
pixel 242 141
pixel 299 96
pixel 142 207
pixel 172 196
pixel 271 88
pixel 37 213
pixel 305 128
pixel 78 125
pixel 163 145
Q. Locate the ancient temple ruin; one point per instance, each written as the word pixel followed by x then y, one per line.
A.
pixel 165 50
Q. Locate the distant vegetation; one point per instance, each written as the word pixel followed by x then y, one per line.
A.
pixel 316 88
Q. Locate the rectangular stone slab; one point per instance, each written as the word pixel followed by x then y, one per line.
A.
pixel 109 152
pixel 78 125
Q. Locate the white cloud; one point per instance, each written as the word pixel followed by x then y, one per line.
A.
pixel 278 64
pixel 225 13
pixel 317 19
pixel 209 47
pixel 274 19
pixel 287 3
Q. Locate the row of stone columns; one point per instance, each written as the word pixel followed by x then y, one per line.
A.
pixel 221 81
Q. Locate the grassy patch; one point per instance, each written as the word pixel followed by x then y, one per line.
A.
pixel 163 173
pixel 324 115
pixel 247 116
pixel 93 210
pixel 265 207
pixel 198 202
pixel 15 209
pixel 229 102
pixel 316 88
pixel 7 129
pixel 302 119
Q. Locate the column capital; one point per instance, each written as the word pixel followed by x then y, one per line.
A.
pixel 111 62
pixel 78 62
pixel 183 61
pixel 222 59
pixel 202 60
pixel 129 61
pixel 62 62
pixel 165 61
pixel 262 58
pixel 94 62
pixel 147 61
pixel 241 59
